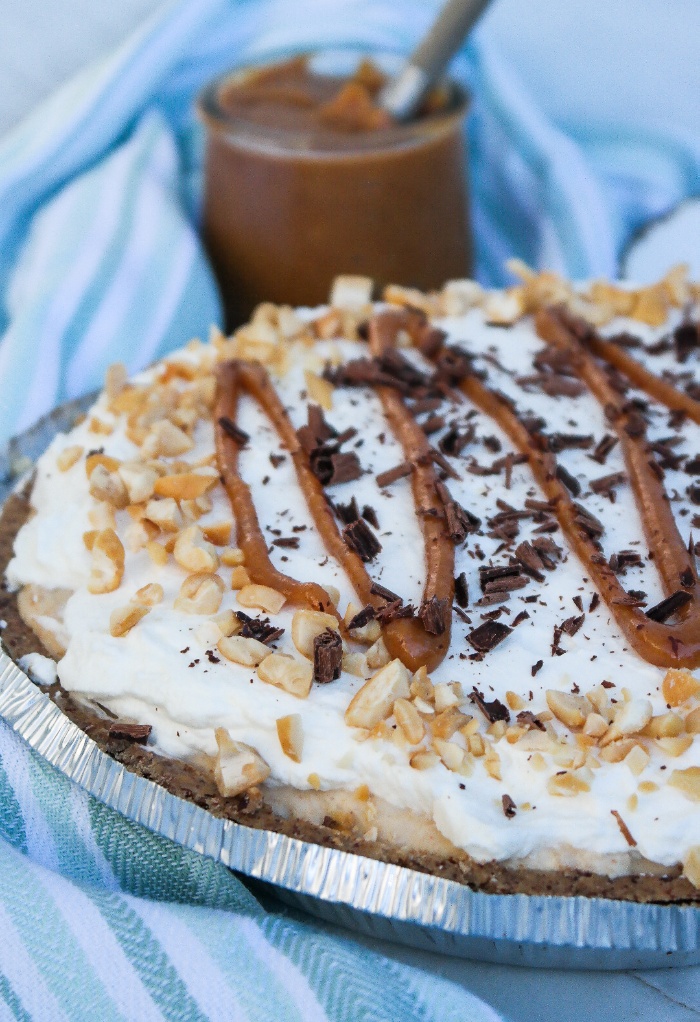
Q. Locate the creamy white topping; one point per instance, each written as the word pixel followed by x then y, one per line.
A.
pixel 166 672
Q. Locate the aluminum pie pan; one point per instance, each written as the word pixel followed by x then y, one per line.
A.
pixel 374 898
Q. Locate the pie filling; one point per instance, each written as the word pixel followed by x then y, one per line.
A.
pixel 421 572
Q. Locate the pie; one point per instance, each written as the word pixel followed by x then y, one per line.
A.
pixel 413 577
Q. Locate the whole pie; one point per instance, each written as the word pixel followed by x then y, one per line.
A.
pixel 413 577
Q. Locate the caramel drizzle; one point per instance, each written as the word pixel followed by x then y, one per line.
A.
pixel 662 391
pixel 406 637
pixel 659 644
pixel 232 377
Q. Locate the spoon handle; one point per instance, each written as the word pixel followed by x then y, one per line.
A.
pixel 402 94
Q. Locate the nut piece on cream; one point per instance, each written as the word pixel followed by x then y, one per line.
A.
pixel 238 766
pixel 374 701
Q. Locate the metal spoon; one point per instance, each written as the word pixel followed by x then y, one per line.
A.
pixel 403 93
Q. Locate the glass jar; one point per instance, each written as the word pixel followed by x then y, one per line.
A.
pixel 286 210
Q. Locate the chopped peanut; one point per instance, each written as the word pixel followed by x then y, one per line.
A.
pixel 679 685
pixel 307 625
pixel 319 390
pixel 165 514
pixel 374 701
pixel 193 552
pixel 290 731
pixel 409 720
pixel 240 650
pixel 569 709
pixel 218 533
pixel 261 598
pixel 68 457
pixel 200 593
pixel 232 557
pixel 378 655
pixel 294 676
pixel 239 577
pixel 238 766
pixel 687 781
pixel 675 746
pixel 108 486
pixel 123 619
pixel 139 480
pixel 186 485
pixel 665 725
pixel 149 595
pixel 107 567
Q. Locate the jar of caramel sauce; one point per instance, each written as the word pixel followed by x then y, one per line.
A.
pixel 307 178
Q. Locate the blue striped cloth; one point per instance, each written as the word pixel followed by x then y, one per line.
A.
pixel 100 260
pixel 102 921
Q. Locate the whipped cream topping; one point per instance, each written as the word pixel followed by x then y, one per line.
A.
pixel 166 671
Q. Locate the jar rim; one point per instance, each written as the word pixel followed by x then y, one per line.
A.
pixel 247 134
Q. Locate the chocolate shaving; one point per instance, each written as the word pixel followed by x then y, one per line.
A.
pixel 347 513
pixel 258 628
pixel 360 538
pixel 492 709
pixel 570 482
pixel 385 594
pixel 392 474
pixel 536 667
pixel 487 636
pixel 453 442
pixel 434 615
pixel 668 607
pixel 362 618
pixel 345 468
pixel 624 560
pixel 530 560
pixel 604 485
pixel 370 515
pixel 519 618
pixel 526 718
pixel 462 590
pixel 391 611
pixel 548 550
pixel 233 431
pixel 131 732
pixel 433 424
pixel 588 522
pixel 558 442
pixel 458 520
pixel 604 447
pixel 686 338
pixel 328 656
pixel 509 808
pixel 288 542
pixel 572 624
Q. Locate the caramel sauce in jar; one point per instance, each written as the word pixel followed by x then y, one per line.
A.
pixel 307 178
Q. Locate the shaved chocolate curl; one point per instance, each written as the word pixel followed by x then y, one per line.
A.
pixel 434 615
pixel 131 732
pixel 487 636
pixel 328 656
pixel 360 538
pixel 492 709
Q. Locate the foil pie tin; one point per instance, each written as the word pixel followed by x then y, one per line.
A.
pixel 371 897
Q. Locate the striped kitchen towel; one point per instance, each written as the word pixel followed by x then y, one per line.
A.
pixel 102 921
